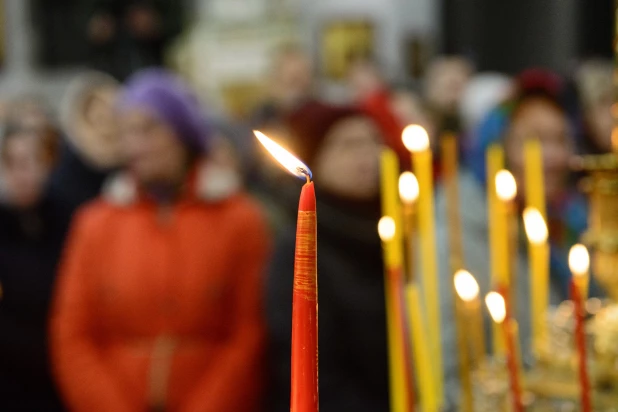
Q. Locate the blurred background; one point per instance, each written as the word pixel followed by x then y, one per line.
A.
pixel 225 46
pixel 120 117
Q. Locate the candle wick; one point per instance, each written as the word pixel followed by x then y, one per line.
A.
pixel 304 172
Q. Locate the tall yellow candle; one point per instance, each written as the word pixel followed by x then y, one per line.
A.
pixel 389 180
pixel 408 193
pixel 416 140
pixel 467 289
pixel 495 163
pixel 389 229
pixel 534 183
pixel 498 311
pixel 538 252
pixel 424 368
pixel 450 166
pixel 448 145
pixel 506 190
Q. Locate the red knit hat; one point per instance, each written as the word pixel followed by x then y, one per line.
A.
pixel 310 124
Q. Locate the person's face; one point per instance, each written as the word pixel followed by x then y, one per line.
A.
pixel 223 154
pixel 24 170
pixel 540 119
pixel 151 148
pixel 408 109
pixel 293 78
pixel 348 162
pixel 364 80
pixel 447 85
pixel 99 117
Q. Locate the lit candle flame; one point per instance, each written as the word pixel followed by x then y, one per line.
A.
pixel 386 228
pixel 465 285
pixel 579 260
pixel 497 306
pixel 535 226
pixel 506 187
pixel 408 187
pixel 415 138
pixel 286 159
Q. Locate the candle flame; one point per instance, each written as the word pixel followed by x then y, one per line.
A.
pixel 386 228
pixel 415 138
pixel 465 285
pixel 579 260
pixel 506 188
pixel 408 187
pixel 535 226
pixel 286 159
pixel 497 306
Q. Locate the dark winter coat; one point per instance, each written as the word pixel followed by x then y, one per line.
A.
pixel 31 242
pixel 29 249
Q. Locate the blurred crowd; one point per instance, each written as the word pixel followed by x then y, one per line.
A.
pixel 147 246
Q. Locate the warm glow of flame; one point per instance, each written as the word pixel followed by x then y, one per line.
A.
pixel 506 188
pixel 579 260
pixel 286 159
pixel 386 228
pixel 415 138
pixel 466 286
pixel 535 226
pixel 496 305
pixel 408 187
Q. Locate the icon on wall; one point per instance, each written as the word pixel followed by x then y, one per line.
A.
pixel 343 43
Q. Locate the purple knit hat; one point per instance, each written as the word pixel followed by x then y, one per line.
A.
pixel 168 98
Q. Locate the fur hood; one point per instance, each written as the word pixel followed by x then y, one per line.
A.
pixel 79 132
pixel 213 183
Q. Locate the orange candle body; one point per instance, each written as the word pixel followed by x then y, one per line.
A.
pixel 304 396
pixel 512 364
pixel 580 342
pixel 511 337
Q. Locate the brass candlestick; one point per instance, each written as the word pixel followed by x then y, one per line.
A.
pixel 601 186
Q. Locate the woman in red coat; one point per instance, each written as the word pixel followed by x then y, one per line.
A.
pixel 158 302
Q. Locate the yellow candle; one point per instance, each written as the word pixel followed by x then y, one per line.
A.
pixel 408 193
pixel 449 171
pixel 534 176
pixel 467 289
pixel 495 163
pixel 416 140
pixel 506 190
pixel 389 165
pixel 425 376
pixel 448 144
pixel 538 252
pixel 389 229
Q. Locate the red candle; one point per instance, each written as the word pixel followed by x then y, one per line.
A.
pixel 499 312
pixel 304 391
pixel 580 342
pixel 510 337
pixel 305 308
pixel 579 263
